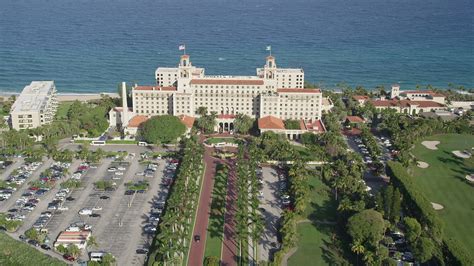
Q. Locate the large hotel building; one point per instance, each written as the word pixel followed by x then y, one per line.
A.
pixel 272 95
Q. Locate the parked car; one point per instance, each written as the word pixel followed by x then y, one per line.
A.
pixel 85 211
pixel 142 251
pixel 33 242
pixel 45 247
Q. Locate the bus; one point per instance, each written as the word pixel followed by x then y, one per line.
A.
pixel 98 142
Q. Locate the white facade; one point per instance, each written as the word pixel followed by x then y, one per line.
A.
pixel 273 91
pixel 36 105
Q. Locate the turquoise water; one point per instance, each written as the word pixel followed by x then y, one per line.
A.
pixel 92 45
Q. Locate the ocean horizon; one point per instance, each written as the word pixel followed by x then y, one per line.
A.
pixel 90 46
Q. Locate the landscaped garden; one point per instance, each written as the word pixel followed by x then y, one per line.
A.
pixel 215 229
pixel 443 182
pixel 314 233
pixel 222 140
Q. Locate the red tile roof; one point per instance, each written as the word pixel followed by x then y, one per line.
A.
pixel 405 103
pixel 302 125
pixel 355 119
pixel 270 122
pixel 137 120
pixel 298 90
pixel 426 104
pixel 188 121
pixel 360 97
pixel 154 88
pixel 316 125
pixel 227 81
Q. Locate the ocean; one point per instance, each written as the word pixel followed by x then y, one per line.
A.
pixel 92 45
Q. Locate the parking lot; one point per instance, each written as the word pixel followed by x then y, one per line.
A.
pixel 271 208
pixel 373 182
pixel 122 218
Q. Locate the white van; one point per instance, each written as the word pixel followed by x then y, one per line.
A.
pixel 96 256
pixel 142 143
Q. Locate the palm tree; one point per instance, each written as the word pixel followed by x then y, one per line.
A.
pixel 91 242
pixel 358 249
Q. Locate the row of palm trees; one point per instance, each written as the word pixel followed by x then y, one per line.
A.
pixel 172 241
pixel 249 221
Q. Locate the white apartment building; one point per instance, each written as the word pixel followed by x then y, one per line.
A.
pixel 273 91
pixel 36 105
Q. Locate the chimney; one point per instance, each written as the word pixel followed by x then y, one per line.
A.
pixel 124 105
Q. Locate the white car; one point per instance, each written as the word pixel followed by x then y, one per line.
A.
pixel 85 211
pixel 112 169
pixel 87 227
pixel 97 208
pixel 121 168
pixel 118 173
pixel 73 229
pixel 63 208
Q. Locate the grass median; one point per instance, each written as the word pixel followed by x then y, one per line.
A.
pixel 215 229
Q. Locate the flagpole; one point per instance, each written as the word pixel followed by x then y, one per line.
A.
pixel 184 50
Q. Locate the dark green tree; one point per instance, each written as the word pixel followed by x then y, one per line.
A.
pixel 243 123
pixel 423 249
pixel 413 229
pixel 367 227
pixel 162 129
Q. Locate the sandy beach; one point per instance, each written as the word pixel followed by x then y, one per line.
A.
pixel 66 97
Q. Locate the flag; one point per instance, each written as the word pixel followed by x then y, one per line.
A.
pixel 182 47
pixel 269 48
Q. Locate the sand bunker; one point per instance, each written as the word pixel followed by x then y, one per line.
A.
pixel 430 144
pixel 470 178
pixel 422 164
pixel 437 206
pixel 461 154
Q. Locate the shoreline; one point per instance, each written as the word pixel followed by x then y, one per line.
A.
pixel 67 97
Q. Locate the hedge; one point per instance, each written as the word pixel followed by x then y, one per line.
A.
pixel 420 207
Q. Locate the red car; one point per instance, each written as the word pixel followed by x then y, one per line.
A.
pixel 69 257
pixel 34 188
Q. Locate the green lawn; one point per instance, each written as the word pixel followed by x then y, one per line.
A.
pixel 313 237
pixel 14 252
pixel 215 229
pixel 63 108
pixel 444 182
pixel 220 140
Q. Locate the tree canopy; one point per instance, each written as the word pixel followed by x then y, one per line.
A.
pixel 366 226
pixel 243 123
pixel 162 129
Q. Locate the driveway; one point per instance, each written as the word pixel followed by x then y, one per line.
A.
pixel 271 203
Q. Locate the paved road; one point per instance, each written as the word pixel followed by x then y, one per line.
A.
pixel 196 253
pixel 229 249
pixel 271 203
